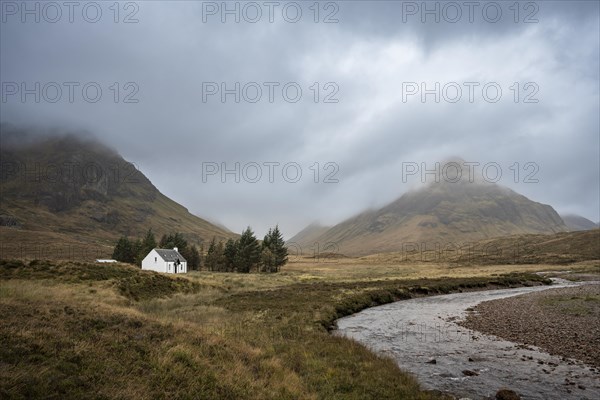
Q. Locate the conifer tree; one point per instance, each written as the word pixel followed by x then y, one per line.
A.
pixel 220 262
pixel 248 254
pixel 277 254
pixel 145 247
pixel 230 252
pixel 193 258
pixel 123 251
pixel 210 260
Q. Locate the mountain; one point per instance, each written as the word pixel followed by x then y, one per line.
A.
pixel 309 234
pixel 578 223
pixel 557 248
pixel 64 192
pixel 442 213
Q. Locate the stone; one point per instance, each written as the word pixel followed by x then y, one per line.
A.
pixel 507 394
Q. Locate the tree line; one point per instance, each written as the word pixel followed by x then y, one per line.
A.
pixel 134 251
pixel 244 255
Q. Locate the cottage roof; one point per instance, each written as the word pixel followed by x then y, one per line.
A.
pixel 170 255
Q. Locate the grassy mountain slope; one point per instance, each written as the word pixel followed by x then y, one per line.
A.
pixel 445 213
pixel 309 234
pixel 578 223
pixel 558 248
pixel 65 190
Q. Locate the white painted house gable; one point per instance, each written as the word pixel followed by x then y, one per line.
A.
pixel 166 261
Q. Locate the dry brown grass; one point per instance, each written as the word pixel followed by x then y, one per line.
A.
pixel 70 330
pixel 381 268
pixel 87 341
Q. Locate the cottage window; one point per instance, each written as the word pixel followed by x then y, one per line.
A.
pixel 154 259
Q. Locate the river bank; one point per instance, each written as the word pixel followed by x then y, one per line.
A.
pixel 564 321
pixel 422 336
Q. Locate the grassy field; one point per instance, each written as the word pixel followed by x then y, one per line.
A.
pixel 77 330
pixel 573 305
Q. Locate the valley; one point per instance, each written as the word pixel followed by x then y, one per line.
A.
pixel 320 200
pixel 72 326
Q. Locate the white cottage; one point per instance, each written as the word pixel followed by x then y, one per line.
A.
pixel 165 260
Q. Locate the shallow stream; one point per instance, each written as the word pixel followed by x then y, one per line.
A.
pixel 418 331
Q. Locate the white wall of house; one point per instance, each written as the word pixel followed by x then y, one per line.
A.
pixel 154 262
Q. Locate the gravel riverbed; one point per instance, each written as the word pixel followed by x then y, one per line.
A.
pixel 562 321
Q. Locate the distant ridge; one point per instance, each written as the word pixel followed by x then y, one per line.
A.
pixel 578 223
pixel 309 234
pixel 442 212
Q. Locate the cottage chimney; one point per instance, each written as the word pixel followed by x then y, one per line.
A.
pixel 175 248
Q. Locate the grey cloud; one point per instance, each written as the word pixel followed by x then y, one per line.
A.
pixel 368 134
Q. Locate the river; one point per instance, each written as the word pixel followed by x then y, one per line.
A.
pixel 423 339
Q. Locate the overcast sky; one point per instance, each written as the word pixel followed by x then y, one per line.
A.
pixel 366 65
